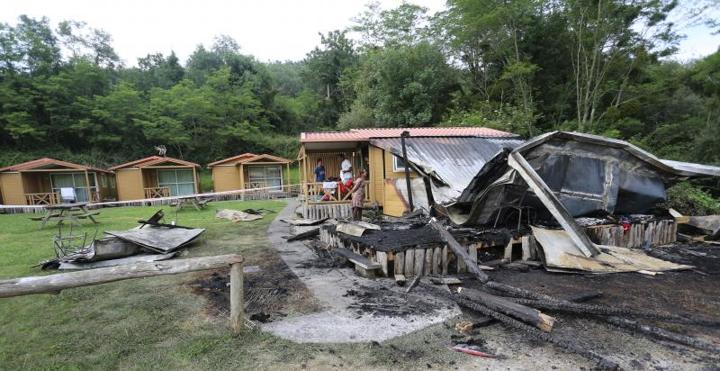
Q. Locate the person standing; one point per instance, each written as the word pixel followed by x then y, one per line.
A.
pixel 319 171
pixel 345 169
pixel 358 195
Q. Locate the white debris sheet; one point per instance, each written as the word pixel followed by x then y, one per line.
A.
pixel 561 254
pixel 236 215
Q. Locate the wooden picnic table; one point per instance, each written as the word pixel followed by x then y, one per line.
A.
pixel 70 212
pixel 190 201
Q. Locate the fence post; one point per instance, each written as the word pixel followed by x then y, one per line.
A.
pixel 237 310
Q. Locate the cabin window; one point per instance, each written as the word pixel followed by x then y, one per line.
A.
pixel 180 182
pixel 398 164
pixel 76 181
pixel 265 176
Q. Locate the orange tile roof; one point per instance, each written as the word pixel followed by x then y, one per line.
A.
pixel 45 162
pixel 153 160
pixel 355 135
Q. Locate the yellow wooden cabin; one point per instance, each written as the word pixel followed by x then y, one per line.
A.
pixel 250 171
pixel 155 177
pixel 48 181
pixel 385 185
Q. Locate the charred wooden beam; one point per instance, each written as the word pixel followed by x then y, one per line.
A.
pixel 602 361
pixel 662 334
pixel 606 310
pixel 307 234
pixel 526 314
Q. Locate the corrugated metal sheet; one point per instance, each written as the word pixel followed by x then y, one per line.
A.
pixel 355 135
pixel 453 161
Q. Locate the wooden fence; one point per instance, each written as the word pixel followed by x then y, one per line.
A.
pixel 56 282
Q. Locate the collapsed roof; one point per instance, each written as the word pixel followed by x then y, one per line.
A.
pixel 451 162
pixel 588 174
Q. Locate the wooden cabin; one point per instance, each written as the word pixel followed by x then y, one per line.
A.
pixel 250 171
pixel 385 185
pixel 155 177
pixel 39 182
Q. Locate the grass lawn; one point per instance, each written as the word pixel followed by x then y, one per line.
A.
pixel 158 322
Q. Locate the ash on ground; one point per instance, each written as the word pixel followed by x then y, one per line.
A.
pixel 272 291
pixel 383 301
pixel 323 257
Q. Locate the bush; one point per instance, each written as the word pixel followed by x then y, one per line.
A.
pixel 689 199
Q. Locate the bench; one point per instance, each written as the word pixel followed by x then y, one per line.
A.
pixel 38 218
pixel 88 214
pixel 363 265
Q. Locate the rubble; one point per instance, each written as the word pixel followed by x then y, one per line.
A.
pixel 151 241
pixel 237 216
pixel 560 202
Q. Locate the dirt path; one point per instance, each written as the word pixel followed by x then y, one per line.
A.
pixel 348 300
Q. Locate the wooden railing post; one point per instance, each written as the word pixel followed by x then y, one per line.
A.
pixel 237 305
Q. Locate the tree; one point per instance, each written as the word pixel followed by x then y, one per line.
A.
pixel 406 86
pixel 325 69
pixel 89 43
pixel 606 37
pixel 402 26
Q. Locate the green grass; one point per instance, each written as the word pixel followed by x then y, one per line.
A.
pixel 142 323
pixel 206 182
pixel 158 322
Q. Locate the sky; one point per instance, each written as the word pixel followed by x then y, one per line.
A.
pixel 268 29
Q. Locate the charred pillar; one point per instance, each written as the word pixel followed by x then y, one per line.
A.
pixel 406 134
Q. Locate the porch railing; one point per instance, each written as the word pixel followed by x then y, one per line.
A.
pixel 316 193
pixel 43 198
pixel 157 192
pixel 270 187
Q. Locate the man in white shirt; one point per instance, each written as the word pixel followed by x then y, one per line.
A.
pixel 345 170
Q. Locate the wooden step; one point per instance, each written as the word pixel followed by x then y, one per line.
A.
pixel 357 259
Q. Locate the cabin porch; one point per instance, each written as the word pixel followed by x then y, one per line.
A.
pixel 330 198
pixel 44 187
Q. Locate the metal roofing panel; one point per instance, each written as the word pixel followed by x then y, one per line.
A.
pixel 452 160
pixel 366 134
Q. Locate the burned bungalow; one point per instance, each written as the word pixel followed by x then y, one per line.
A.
pixel 324 155
pixel 568 201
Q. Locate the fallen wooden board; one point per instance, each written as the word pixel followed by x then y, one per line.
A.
pixel 577 235
pixel 561 253
pixel 357 259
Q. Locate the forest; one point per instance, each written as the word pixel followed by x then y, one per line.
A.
pixel 527 66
